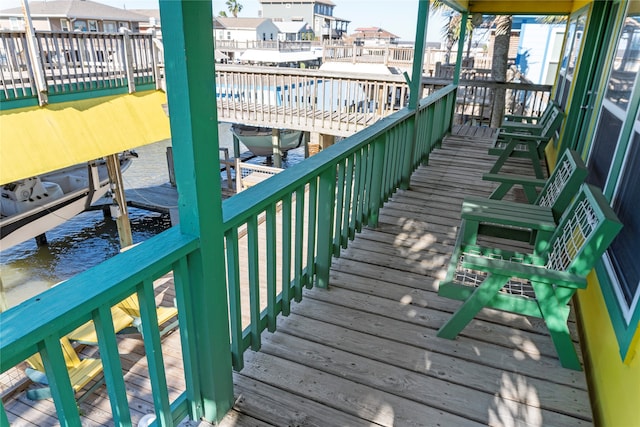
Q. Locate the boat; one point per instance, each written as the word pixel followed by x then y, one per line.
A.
pixel 259 140
pixel 32 206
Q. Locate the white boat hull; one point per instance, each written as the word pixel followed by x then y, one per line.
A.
pixel 80 188
pixel 259 140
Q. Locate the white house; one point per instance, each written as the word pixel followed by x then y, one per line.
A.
pixel 294 31
pixel 245 29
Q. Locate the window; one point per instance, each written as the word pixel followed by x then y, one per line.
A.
pixel 93 25
pixel 64 25
pixel 16 23
pixel 79 25
pixel 122 24
pixel 110 27
pixel 228 35
pixel 614 162
pixel 570 58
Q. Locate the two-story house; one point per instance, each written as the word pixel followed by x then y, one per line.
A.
pixel 294 31
pixel 373 36
pixel 71 15
pixel 245 29
pixel 319 13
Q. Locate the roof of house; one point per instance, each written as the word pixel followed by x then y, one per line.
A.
pixel 149 13
pixel 328 2
pixel 86 9
pixel 240 23
pixel 373 33
pixel 292 26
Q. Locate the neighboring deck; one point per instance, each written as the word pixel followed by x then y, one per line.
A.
pixel 364 352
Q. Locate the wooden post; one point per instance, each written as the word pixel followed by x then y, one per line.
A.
pixel 190 71
pixel 463 32
pixel 117 187
pixel 275 147
pixel 33 56
pixel 128 55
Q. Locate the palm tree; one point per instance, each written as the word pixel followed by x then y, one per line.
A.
pixel 234 7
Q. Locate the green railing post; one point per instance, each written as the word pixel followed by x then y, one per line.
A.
pixel 326 212
pixel 375 192
pixel 415 90
pixel 463 34
pixel 194 129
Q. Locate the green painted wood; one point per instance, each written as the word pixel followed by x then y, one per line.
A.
pixel 187 335
pixel 190 75
pixel 349 213
pixel 299 243
pixel 340 208
pixel 418 55
pixel 326 220
pixel 254 282
pixel 375 189
pixel 59 383
pixel 286 255
pixel 153 350
pixel 356 217
pixel 235 305
pixel 4 420
pixel 311 229
pixel 271 268
pixel 114 380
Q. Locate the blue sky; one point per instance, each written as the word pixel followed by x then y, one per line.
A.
pixel 395 16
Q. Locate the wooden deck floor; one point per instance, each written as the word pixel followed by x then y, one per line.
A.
pixel 364 352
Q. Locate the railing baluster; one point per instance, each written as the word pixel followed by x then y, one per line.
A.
pixel 153 349
pixel 254 281
pixel 271 268
pixel 340 206
pixel 114 380
pixel 190 356
pixel 326 212
pixel 349 205
pixel 358 185
pixel 299 243
pixel 286 254
pixel 59 382
pixel 312 231
pixel 235 306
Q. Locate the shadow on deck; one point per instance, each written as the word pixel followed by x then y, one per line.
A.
pixel 365 351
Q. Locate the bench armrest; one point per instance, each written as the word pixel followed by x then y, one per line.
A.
pixel 524 271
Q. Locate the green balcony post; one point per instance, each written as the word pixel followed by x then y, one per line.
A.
pixel 326 212
pixel 415 90
pixel 463 34
pixel 376 196
pixel 194 129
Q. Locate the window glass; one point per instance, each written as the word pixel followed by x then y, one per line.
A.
pixel 623 252
pixel 79 25
pixel 93 25
pixel 626 63
pixel 604 146
pixel 110 27
pixel 64 25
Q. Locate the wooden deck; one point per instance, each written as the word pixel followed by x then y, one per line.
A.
pixel 364 352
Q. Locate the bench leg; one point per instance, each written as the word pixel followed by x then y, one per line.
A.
pixel 468 310
pixel 555 316
pixel 503 157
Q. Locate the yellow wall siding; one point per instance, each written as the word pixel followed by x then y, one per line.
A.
pixel 615 385
pixel 35 140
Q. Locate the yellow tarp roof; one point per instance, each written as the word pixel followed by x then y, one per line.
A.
pixel 516 7
pixel 35 140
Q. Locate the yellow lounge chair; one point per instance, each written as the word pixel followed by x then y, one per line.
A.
pixel 81 372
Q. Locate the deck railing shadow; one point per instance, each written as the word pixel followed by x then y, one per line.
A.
pixel 324 202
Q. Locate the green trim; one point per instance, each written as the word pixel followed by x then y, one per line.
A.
pixel 76 96
pixel 14 104
pixel 583 77
pixel 146 86
pixel 624 332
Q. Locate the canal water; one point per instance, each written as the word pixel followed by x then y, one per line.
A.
pixel 89 238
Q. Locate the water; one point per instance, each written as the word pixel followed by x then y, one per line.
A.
pixel 89 238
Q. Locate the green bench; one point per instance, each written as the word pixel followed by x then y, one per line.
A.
pixel 539 284
pixel 528 144
pixel 535 222
pixel 569 161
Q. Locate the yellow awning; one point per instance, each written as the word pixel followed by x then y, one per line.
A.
pixel 35 140
pixel 515 7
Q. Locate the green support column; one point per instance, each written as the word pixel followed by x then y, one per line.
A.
pixel 415 90
pixel 463 34
pixel 194 130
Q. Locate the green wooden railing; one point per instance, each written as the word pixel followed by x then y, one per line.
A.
pixel 300 217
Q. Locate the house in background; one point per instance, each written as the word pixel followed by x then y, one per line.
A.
pixel 294 31
pixel 319 13
pixel 373 36
pixel 71 15
pixel 152 23
pixel 245 29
